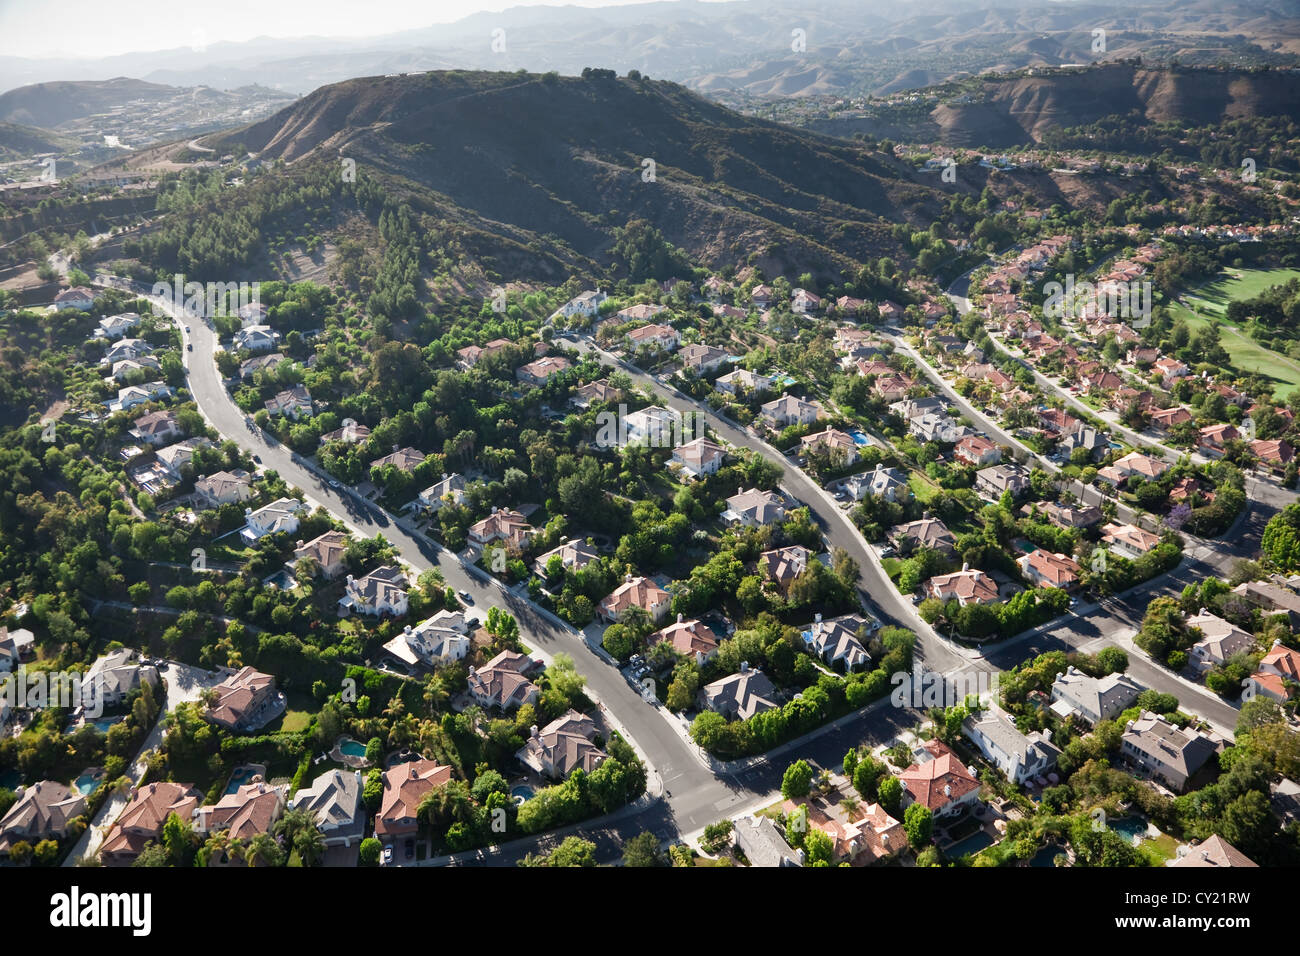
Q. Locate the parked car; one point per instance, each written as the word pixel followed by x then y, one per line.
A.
pixel 465 596
pixel 388 854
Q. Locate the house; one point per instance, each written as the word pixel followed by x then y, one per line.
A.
pixel 1128 540
pixel 563 746
pixel 924 533
pixel 145 364
pixel 702 359
pixel 910 409
pixel 246 700
pixel 657 337
pixel 176 457
pixel 78 297
pixel 942 783
pixel 540 371
pixel 1157 748
pixel 966 586
pixel 850 305
pixel 688 638
pixel 575 554
pixel 656 425
pixel 1273 598
pixel 294 403
pixel 937 428
pixel 1164 419
pixel 1094 698
pixel 503 682
pixel 1070 516
pixel 125 349
pixel 698 458
pixel 405 786
pixel 224 488
pixel 642 312
pixel 742 380
pixel 1278 675
pixel 116 326
pixel 837 641
pixel 15 646
pixel 403 459
pixel 382 591
pixel 450 488
pixel 42 811
pixel 509 527
pixel 881 482
pixel 635 592
pixel 762 843
pixel 1058 422
pixel 1274 454
pixel 1212 851
pixel 1094 442
pixel 1212 439
pixel 113 678
pixel 1220 641
pixel 1134 463
pixel 864 835
pixel 435 640
pixel 133 395
pixel 334 799
pixel 783 565
pixel 995 481
pixel 251 810
pixel 761 296
pixel 1141 356
pixel 741 695
pixel 802 302
pixel 978 451
pixel 1047 570
pixel 259 363
pixel 754 508
pixel 597 391
pixel 351 433
pixel 143 818
pixel 326 552
pixel 254 313
pixel 891 388
pixel 838 445
pixel 280 515
pixel 1170 369
pixel 788 410
pixel 257 338
pixel 586 305
pixel 1020 757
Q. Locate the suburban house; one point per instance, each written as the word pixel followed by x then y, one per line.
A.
pixel 42 811
pixel 1128 540
pixel 763 844
pixel 865 834
pixel 574 554
pixel 641 312
pixel 563 746
pixel 382 591
pixel 1170 369
pixel 247 700
pixel 761 296
pixel 1021 757
pixel 1275 454
pixel 405 786
pixel 978 451
pixel 294 403
pixel 1092 441
pixel 116 326
pixel 143 818
pixel 125 349
pixel 702 359
pixel 259 363
pixel 838 445
pixel 636 592
pixel 1278 675
pixel 78 297
pixel 996 480
pixel 1212 439
pixel 689 638
pixel 503 682
pixel 224 488
pixel 1159 749
pixel 741 380
pixel 1070 516
pixel 146 364
pixel 1093 698
pixel 435 640
pixel 656 425
pixel 334 799
pixel 836 641
pixel 257 338
pixel 783 565
pixel 892 388
pixel 1273 598
pixel 880 481
pixel 698 458
pixel 788 410
pixel 509 527
pixel 252 809
pixel 923 533
pixel 661 337
pixel 741 695
pixel 1134 463
pixel 403 459
pixel 598 391
pixel 586 305
pixel 327 551
pixel 1048 570
pixel 937 427
pixel 175 457
pixel 754 508
pixel 538 372
pixel 966 586
pixel 1219 642
pixel 134 395
pixel 942 783
pixel 1214 850
pixel 280 515
pixel 113 677
pixel 15 646
pixel 350 432
pixel 1164 419
pixel 450 488
pixel 802 302
pixel 254 313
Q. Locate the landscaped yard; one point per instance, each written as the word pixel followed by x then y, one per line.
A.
pixel 1209 302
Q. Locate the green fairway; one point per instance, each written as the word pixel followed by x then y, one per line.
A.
pixel 1210 302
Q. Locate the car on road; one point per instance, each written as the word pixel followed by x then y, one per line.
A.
pixel 465 596
pixel 257 458
pixel 189 346
pixel 334 483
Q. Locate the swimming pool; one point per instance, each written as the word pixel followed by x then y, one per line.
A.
pixel 239 777
pixel 103 723
pixel 88 782
pixel 352 748
pixel 860 438
pixel 972 844
pixel 522 792
pixel 1129 827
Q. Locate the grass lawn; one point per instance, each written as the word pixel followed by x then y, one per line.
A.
pixel 295 721
pixel 892 567
pixel 922 487
pixel 1209 302
pixel 1162 848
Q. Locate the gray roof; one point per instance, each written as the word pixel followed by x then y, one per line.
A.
pixel 1105 697
pixel 335 798
pixel 762 844
pixel 746 693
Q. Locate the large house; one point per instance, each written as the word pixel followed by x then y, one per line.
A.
pixel 157 428
pixel 923 533
pixel 1159 749
pixel 405 786
pixel 1274 454
pixel 967 586
pixel 1273 598
pixel 563 746
pixel 702 359
pixel 382 591
pixel 294 403
pixel 788 410
pixel 403 459
pixel 662 337
pixel 334 800
pixel 636 592
pixel 257 338
pixel 587 305
pixel 1134 463
pixel 978 451
pixel 1021 757
pixel 125 349
pixel 134 395
pixel 783 565
pixel 509 527
pixel 175 457
pixel 280 515
pixel 742 380
pixel 350 432
pixel 996 480
pixel 881 482
pixel 246 700
pixel 838 445
pixel 259 363
pixel 763 845
pixel 1070 516
pixel 1212 440
pixel 503 682
pixel 251 810
pixel 1220 640
pixel 78 297
pixel 143 819
pixel 597 391
pixel 698 458
pixel 688 638
pixel 540 371
pixel 113 677
pixel 1128 540
pixel 1214 851
pixel 224 488
pixel 327 551
pixel 754 508
pixel 1047 570
pixel 1278 675
pixel 435 640
pixel 42 811
pixel 942 783
pixel 1093 698
pixel 837 642
pixel 574 554
pixel 116 326
pixel 741 695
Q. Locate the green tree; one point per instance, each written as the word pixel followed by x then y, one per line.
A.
pixel 918 823
pixel 643 850
pixel 797 780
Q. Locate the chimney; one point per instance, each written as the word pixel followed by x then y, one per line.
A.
pixel 532 731
pixel 357 775
pixel 947 790
pixel 679 618
pixel 744 667
pixel 965 565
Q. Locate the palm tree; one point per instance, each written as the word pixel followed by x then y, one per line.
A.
pixel 264 851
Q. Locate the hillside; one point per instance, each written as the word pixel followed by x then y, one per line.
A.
pixel 18 142
pixel 560 161
pixel 51 105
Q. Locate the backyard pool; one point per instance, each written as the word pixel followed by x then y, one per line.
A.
pixel 860 438
pixel 352 748
pixel 522 792
pixel 89 780
pixel 972 844
pixel 1129 827
pixel 242 775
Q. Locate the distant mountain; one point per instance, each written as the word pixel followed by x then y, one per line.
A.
pixel 50 105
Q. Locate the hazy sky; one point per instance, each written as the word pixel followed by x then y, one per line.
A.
pixel 81 28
